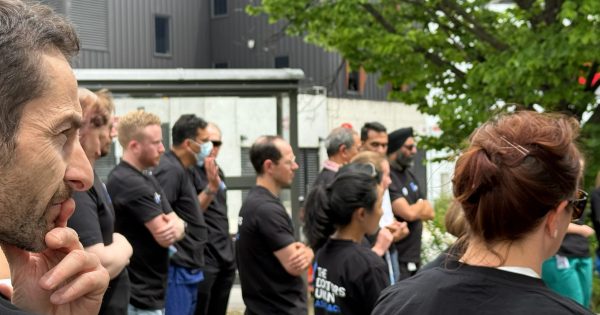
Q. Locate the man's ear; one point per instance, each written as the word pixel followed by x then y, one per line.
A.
pixel 553 218
pixel 267 164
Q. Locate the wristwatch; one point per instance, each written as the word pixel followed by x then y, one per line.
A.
pixel 209 192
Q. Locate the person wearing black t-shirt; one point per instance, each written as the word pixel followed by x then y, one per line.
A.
pixel 186 266
pixel 142 212
pixel 219 271
pixel 348 276
pixel 94 216
pixel 269 259
pixel 517 186
pixel 408 200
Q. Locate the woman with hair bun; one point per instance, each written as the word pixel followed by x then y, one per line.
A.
pixel 517 184
pixel 348 275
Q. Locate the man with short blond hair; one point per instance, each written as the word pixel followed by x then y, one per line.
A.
pixel 143 214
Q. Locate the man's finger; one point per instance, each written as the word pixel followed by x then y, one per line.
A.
pixel 92 283
pixel 63 238
pixel 76 262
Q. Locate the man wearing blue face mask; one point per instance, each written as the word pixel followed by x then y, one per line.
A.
pixel 190 145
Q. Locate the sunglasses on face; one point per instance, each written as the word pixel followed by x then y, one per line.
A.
pixel 216 143
pixel 409 147
pixel 578 204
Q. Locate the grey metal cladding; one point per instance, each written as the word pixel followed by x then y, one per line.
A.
pixel 57 5
pixel 245 41
pixel 91 20
pixel 130 25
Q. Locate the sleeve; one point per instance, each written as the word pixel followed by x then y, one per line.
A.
pixel 275 227
pixel 395 189
pixel 198 178
pixel 371 282
pixel 170 182
pixel 85 218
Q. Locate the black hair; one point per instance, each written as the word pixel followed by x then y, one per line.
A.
pixel 186 127
pixel 375 126
pixel 354 186
pixel 264 149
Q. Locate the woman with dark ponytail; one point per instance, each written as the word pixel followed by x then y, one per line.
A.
pixel 348 276
pixel 517 184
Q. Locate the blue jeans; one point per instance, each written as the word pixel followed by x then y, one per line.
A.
pixel 132 310
pixel 182 290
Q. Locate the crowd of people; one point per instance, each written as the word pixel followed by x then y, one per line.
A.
pixel 154 239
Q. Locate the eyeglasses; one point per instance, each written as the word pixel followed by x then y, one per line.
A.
pixel 578 204
pixel 216 143
pixel 410 147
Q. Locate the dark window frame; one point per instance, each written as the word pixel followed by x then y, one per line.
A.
pixel 279 59
pixel 169 33
pixel 213 8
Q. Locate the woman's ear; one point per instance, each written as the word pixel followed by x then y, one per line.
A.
pixel 360 214
pixel 553 219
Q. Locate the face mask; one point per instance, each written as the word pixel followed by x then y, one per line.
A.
pixel 205 150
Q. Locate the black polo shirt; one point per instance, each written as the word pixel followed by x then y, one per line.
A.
pixel 219 249
pixel 348 278
pixel 265 227
pixel 94 222
pixel 179 189
pixel 405 185
pixel 138 198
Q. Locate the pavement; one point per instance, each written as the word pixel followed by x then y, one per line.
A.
pixel 236 303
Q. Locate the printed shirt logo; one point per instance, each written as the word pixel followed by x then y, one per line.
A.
pixel 157 198
pixel 404 191
pixel 326 292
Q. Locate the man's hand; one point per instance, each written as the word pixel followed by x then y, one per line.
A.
pixel 63 279
pixel 399 230
pixel 166 235
pixel 212 173
pixel 302 258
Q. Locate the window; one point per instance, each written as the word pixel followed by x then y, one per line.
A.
pixel 162 35
pixel 219 7
pixel 282 62
pixel 355 80
pixel 221 65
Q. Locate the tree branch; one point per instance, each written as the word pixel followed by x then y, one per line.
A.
pixel 551 10
pixel 434 58
pixel 474 27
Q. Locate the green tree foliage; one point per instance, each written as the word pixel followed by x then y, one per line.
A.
pixel 462 60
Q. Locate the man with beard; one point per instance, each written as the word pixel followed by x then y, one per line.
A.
pixel 219 271
pixel 143 214
pixel 408 200
pixel 269 259
pixel 190 143
pixel 41 163
pixel 94 217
